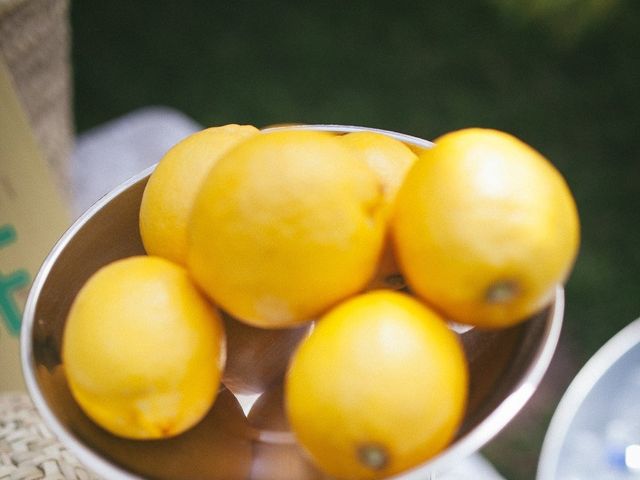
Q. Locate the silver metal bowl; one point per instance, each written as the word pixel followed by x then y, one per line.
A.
pixel 506 366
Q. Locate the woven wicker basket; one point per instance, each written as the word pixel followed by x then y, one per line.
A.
pixel 28 451
pixel 35 44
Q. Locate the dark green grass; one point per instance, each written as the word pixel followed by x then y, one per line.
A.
pixel 568 88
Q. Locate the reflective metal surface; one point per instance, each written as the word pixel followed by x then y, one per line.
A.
pixel 506 367
pixel 595 430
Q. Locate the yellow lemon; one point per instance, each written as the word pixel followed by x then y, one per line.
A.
pixel 485 227
pixel 285 225
pixel 390 159
pixel 142 349
pixel 169 194
pixel 378 387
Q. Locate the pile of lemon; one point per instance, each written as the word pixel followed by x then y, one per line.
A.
pixel 375 243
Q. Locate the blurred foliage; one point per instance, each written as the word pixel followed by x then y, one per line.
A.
pixel 562 75
pixel 566 20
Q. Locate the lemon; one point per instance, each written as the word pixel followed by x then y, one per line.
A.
pixel 285 225
pixel 378 387
pixel 142 349
pixel 169 194
pixel 390 160
pixel 485 227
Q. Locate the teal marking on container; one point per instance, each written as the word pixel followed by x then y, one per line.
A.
pixel 9 284
pixel 8 234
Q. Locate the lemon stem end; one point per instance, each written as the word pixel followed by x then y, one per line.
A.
pixel 373 456
pixel 502 291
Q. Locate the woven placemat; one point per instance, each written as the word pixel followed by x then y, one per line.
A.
pixel 28 450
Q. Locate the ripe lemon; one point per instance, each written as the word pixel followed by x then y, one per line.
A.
pixel 485 227
pixel 169 194
pixel 378 387
pixel 142 349
pixel 285 225
pixel 390 159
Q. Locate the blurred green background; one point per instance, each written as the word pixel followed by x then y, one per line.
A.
pixel 562 75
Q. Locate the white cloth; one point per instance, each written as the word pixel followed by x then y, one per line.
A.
pixel 109 154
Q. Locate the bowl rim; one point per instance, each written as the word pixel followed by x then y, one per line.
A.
pixel 508 408
pixel 466 445
pixel 87 457
pixel 577 392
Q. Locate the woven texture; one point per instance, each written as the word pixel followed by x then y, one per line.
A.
pixel 34 43
pixel 28 450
